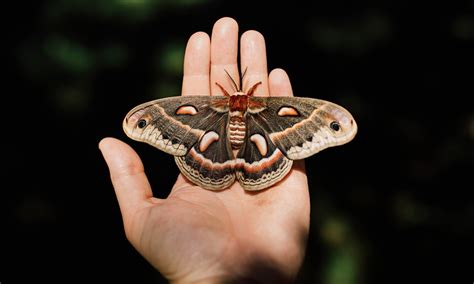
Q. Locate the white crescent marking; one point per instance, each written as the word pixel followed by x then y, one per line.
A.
pixel 208 138
pixel 260 142
pixel 190 110
pixel 288 111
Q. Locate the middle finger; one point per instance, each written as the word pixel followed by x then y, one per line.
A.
pixel 224 49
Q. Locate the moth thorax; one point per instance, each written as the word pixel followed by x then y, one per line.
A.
pixel 236 129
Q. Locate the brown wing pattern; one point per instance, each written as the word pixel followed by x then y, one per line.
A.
pixel 301 127
pixel 278 130
pixel 174 124
pixel 260 163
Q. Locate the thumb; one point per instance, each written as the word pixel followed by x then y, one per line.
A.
pixel 130 183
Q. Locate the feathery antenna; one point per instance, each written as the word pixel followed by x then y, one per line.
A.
pixel 242 78
pixel 237 89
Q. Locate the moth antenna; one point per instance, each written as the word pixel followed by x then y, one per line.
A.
pixel 252 89
pixel 223 90
pixel 233 82
pixel 242 78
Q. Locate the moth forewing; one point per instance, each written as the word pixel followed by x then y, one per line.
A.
pixel 307 126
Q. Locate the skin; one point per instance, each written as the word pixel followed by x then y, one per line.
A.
pixel 201 236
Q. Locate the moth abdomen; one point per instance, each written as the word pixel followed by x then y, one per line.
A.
pixel 237 130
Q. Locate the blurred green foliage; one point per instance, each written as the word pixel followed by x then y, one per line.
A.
pixel 127 10
pixel 463 27
pixel 69 56
pixel 171 58
pixel 358 34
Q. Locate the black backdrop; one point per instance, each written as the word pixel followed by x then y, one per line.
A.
pixel 396 204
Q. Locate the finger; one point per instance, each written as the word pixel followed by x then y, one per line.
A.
pixel 196 65
pixel 279 84
pixel 224 50
pixel 254 58
pixel 128 177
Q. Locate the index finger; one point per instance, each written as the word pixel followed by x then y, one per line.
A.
pixel 196 65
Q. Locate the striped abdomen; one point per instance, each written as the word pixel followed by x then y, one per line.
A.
pixel 236 131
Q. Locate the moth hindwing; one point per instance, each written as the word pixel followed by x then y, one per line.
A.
pixel 266 133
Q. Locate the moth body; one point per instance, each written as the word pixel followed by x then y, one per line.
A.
pixel 237 107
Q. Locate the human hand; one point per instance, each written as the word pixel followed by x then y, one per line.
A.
pixel 197 235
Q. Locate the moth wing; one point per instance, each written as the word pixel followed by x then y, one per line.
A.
pixel 210 162
pixel 193 129
pixel 301 127
pixel 173 124
pixel 282 129
pixel 261 164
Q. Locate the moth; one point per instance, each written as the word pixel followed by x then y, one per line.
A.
pixel 266 133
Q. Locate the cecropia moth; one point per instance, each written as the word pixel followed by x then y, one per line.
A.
pixel 267 133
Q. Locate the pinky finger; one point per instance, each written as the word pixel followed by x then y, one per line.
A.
pixel 279 84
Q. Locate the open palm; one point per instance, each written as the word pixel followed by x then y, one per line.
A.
pixel 231 235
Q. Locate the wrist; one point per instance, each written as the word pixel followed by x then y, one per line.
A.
pixel 258 274
pixel 231 280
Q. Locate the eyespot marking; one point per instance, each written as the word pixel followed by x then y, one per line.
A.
pixel 288 111
pixel 335 126
pixel 186 110
pixel 208 138
pixel 141 123
pixel 261 143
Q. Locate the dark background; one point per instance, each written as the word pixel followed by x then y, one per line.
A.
pixel 394 205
